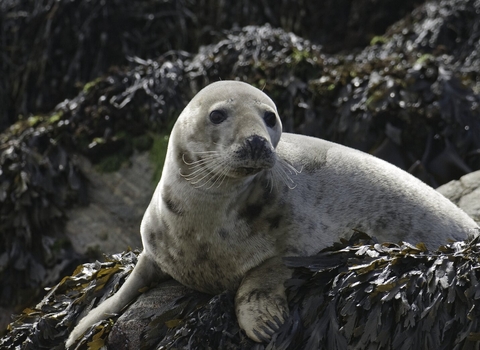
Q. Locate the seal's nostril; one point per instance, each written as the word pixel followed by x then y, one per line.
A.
pixel 257 146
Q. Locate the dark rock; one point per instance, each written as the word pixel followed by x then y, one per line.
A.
pixel 129 330
pixel 50 48
pixel 357 293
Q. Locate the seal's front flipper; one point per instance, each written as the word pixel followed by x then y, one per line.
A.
pixel 260 302
pixel 145 271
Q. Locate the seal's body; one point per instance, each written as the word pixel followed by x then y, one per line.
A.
pixel 236 195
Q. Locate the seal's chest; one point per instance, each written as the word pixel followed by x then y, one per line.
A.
pixel 207 267
pixel 213 259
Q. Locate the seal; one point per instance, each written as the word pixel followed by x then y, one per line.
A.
pixel 236 196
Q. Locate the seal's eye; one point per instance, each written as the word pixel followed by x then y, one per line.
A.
pixel 270 119
pixel 216 116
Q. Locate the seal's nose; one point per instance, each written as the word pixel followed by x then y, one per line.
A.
pixel 257 146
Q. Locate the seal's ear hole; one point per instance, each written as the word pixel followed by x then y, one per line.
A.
pixel 217 116
pixel 270 119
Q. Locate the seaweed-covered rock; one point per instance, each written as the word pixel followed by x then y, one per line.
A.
pixel 357 293
pixel 51 48
pixel 38 180
pixel 64 302
pixel 404 98
pixel 41 178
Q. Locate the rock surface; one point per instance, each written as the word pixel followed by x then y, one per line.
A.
pixel 465 193
pixel 130 327
pixel 111 223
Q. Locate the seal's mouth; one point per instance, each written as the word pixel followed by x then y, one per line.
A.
pixel 249 170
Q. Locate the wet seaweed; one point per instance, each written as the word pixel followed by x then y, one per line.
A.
pixel 40 178
pixel 388 296
pixel 47 325
pixel 357 293
pixel 49 49
pixel 38 181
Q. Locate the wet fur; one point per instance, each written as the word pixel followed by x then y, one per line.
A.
pixel 222 218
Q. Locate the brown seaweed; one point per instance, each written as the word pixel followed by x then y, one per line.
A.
pixel 49 49
pixel 357 293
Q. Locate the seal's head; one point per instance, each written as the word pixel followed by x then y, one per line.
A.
pixel 229 130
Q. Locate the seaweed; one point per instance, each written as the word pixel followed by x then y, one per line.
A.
pixel 38 181
pixel 40 177
pixel 50 49
pixel 46 326
pixel 388 296
pixel 357 293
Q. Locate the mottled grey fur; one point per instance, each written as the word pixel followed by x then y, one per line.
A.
pixel 235 198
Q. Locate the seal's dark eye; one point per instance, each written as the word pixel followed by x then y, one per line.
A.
pixel 216 117
pixel 270 119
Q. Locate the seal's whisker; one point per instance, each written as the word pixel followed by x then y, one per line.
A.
pixel 224 176
pixel 204 170
pixel 273 175
pixel 196 178
pixel 204 152
pixel 217 177
pixel 213 171
pixel 271 180
pixel 282 170
pixel 289 167
pixel 212 156
pixel 285 177
pixel 201 162
pixel 198 167
pixel 195 172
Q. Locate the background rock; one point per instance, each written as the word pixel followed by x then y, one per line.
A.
pixel 111 223
pixel 465 193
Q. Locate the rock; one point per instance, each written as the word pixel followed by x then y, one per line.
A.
pixel 465 193
pixel 111 223
pixel 127 332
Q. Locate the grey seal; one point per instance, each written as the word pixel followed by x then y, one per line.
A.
pixel 236 196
